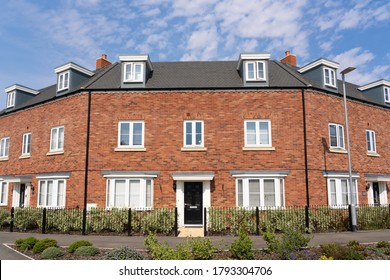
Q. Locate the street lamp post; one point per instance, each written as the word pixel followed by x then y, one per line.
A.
pixel 352 206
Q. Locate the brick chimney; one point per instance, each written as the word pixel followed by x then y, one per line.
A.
pixel 289 59
pixel 102 62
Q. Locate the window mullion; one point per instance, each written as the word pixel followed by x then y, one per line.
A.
pixel 245 192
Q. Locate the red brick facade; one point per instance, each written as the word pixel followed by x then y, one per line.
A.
pixel 223 113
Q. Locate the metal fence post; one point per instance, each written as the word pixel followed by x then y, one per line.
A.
pixel 176 227
pixel 11 226
pixel 307 220
pixel 129 227
pixel 44 221
pixel 205 221
pixel 84 227
pixel 257 221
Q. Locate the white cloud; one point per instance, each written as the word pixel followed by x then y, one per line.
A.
pixel 202 45
pixel 361 59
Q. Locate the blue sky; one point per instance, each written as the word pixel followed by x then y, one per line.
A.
pixel 38 36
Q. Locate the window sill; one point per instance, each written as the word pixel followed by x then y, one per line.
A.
pixel 258 148
pixel 193 149
pixel 3 158
pixel 55 153
pixel 24 156
pixel 130 149
pixel 331 86
pixel 338 151
pixel 371 154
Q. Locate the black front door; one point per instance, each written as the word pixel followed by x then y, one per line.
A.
pixel 22 195
pixel 193 203
pixel 375 189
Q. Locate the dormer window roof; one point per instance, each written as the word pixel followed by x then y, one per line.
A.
pixel 323 72
pixel 135 70
pixel 253 68
pixel 18 90
pixel 70 76
pixel 380 90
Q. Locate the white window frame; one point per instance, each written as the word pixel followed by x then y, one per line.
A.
pixel 386 92
pixel 256 69
pixel 26 144
pixel 382 193
pixel 340 144
pixel 131 134
pixel 57 201
pixel 3 193
pixel 331 76
pixel 257 132
pixel 371 141
pixel 4 147
pixel 11 99
pixel 110 192
pixel 57 147
pixel 193 133
pixel 63 80
pixel 278 191
pixel 133 77
pixel 339 193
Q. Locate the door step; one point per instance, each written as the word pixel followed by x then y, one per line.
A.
pixel 191 232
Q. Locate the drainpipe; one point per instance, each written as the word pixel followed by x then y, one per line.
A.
pixel 305 148
pixel 307 221
pixel 86 165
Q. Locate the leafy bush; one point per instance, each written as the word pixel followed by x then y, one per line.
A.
pixel 241 248
pixel 383 244
pixel 52 253
pixel 230 220
pixel 158 221
pixel 27 219
pixel 339 252
pixel 325 258
pixel 202 249
pixel 159 251
pixel 355 245
pixel 43 244
pixel 5 218
pixel 287 243
pixel 26 244
pixel 124 253
pixel 101 220
pixel 73 247
pixel 64 220
pixel 86 251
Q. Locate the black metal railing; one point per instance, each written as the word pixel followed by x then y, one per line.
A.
pixel 217 220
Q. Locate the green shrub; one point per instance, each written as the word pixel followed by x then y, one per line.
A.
pixel 241 248
pixel 383 244
pixel 159 251
pixel 124 253
pixel 339 252
pixel 27 219
pixel 52 253
pixel 86 251
pixel 5 218
pixel 28 243
pixel 42 244
pixel 19 242
pixel 355 245
pixel 73 247
pixel 202 249
pixel 287 243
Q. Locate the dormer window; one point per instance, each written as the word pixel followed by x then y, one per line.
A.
pixel 387 94
pixel 133 72
pixel 11 99
pixel 329 77
pixel 255 70
pixel 63 81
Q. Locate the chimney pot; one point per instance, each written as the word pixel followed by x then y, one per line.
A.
pixel 102 61
pixel 289 58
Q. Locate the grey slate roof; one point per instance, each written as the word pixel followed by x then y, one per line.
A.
pixel 189 75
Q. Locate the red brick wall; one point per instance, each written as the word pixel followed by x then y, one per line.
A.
pixel 323 109
pixel 223 114
pixel 70 112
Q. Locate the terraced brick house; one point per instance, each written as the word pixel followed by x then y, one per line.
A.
pixel 249 132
